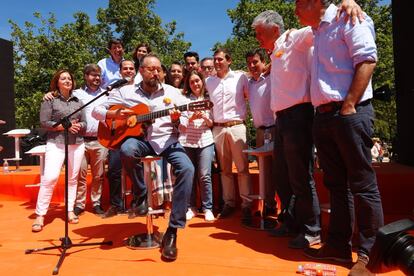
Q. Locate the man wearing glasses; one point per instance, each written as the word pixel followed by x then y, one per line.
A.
pixel 161 139
pixel 207 67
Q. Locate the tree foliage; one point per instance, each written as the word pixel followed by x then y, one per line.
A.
pixel 243 40
pixel 43 47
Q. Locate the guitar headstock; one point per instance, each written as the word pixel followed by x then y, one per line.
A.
pixel 200 105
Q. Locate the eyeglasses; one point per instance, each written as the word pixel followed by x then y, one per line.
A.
pixel 207 68
pixel 153 69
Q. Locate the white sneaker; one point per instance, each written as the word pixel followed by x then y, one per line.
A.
pixel 208 215
pixel 190 214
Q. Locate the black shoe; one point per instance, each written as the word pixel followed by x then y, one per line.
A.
pixel 270 211
pixel 226 212
pixel 112 211
pixel 169 246
pixel 329 253
pixel 98 210
pixel 282 231
pixel 139 211
pixel 77 211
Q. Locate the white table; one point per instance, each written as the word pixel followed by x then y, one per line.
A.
pixel 17 134
pixel 261 153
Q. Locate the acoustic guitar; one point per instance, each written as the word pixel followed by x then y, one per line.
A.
pixel 112 132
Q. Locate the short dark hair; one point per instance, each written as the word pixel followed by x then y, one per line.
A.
pixel 122 63
pixel 192 54
pixel 114 41
pixel 254 52
pixel 91 67
pixel 205 59
pixel 226 53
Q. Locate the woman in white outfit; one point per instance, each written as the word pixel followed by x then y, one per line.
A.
pixel 52 111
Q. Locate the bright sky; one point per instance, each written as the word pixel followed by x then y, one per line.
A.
pixel 203 22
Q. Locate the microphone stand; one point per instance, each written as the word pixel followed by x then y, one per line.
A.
pixel 66 243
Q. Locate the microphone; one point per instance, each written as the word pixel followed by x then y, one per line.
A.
pixel 117 84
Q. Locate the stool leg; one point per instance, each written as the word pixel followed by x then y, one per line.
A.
pixel 149 239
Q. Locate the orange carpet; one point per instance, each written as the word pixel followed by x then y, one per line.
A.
pixel 220 248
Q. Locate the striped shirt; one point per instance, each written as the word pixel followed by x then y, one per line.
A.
pixel 195 133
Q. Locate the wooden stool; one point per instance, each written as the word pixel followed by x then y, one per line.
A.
pixel 149 239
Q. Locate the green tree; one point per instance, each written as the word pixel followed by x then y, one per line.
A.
pixel 42 47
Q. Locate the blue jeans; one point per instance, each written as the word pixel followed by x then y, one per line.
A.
pixel 344 149
pixel 293 171
pixel 133 149
pixel 202 158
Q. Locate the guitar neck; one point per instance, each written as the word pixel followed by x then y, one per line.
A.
pixel 159 113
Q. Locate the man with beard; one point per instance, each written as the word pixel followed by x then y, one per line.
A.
pixel 161 139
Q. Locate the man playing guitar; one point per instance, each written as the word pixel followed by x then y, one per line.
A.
pixel 160 138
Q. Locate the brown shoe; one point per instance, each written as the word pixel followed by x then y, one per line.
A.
pixel 327 252
pixel 359 268
pixel 38 223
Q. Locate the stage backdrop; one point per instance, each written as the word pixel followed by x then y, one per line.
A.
pixel 404 83
pixel 7 98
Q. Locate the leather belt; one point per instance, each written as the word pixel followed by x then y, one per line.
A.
pixel 335 106
pixel 265 127
pixel 293 108
pixel 90 138
pixel 229 124
pixel 329 107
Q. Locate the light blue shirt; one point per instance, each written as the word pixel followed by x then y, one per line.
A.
pixel 162 133
pixel 110 71
pixel 339 47
pixel 259 101
pixel 86 95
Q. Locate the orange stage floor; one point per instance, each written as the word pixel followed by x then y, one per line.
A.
pixel 220 248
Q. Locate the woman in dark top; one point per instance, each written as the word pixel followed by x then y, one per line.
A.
pixel 52 111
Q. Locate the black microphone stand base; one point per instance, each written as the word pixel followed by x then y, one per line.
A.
pixel 66 244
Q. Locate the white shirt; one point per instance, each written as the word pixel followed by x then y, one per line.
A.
pixel 290 73
pixel 110 71
pixel 228 96
pixel 161 133
pixel 259 101
pixel 195 133
pixel 86 95
pixel 138 78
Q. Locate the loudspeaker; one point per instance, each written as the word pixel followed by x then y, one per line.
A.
pixel 7 108
pixel 404 84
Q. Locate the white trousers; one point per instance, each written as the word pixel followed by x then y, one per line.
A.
pixel 54 159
